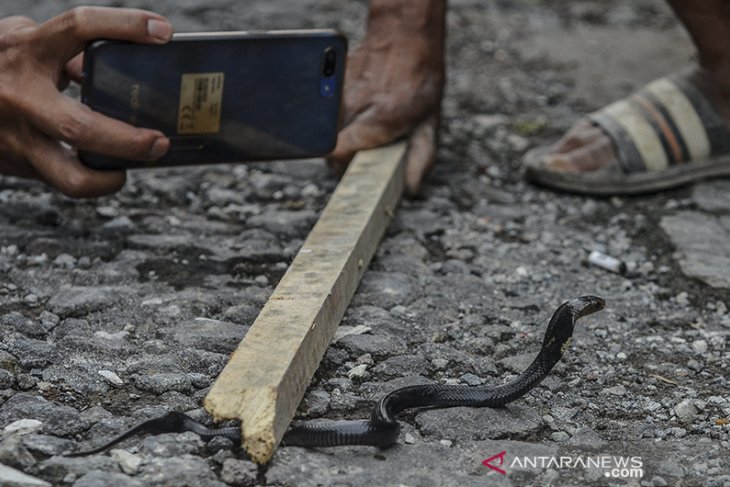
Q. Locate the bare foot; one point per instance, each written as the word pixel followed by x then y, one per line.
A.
pixel 587 148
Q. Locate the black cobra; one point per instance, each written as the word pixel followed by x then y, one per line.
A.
pixel 383 428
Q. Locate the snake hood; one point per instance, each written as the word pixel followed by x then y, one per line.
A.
pixel 560 329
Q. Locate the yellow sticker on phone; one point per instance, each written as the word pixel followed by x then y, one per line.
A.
pixel 201 98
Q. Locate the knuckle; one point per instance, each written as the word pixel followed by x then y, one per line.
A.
pixel 74 20
pixel 75 184
pixel 73 128
pixel 15 33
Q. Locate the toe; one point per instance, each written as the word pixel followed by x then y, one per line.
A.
pixel 584 148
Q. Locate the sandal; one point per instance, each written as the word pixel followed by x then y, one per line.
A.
pixel 666 135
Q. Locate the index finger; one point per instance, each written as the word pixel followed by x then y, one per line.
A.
pixel 65 35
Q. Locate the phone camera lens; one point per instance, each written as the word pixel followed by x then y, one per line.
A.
pixel 330 62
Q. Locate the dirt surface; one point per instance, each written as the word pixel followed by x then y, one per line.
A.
pixel 116 310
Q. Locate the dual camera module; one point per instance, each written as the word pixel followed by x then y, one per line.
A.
pixel 329 68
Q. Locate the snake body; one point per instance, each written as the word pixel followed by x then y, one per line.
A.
pixel 383 428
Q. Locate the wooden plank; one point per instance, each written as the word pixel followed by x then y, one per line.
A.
pixel 266 377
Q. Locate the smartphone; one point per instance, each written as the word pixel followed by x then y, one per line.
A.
pixel 222 97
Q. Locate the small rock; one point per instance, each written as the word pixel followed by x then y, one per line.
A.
pixel 48 445
pixel 119 226
pixel 559 436
pixel 471 379
pixel 111 378
pixel 658 481
pixel 78 301
pixel 98 478
pixel 685 410
pixel 7 379
pixel 682 299
pixel 49 321
pixel 161 383
pixel 107 211
pixel 128 462
pixel 439 363
pixel 14 454
pixel 14 478
pixel 171 445
pixel 23 427
pixel 65 261
pixel 358 371
pixel 409 439
pixel 239 472
pixel 218 443
pixel 316 402
pixel 618 390
pixel 366 359
pixel 183 471
pixel 447 443
pixel 59 420
pixel 700 346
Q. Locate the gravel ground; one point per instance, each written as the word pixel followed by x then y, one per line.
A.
pixel 115 310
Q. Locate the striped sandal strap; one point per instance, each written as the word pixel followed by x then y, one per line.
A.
pixel 668 123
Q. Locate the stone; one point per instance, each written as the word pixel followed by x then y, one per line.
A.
pixel 206 334
pixel 121 225
pixel 7 379
pixel 359 371
pixel 471 379
pixel 128 462
pixel 658 481
pixel 171 445
pixel 385 290
pixel 701 240
pixel 685 410
pixel 26 326
pixel 618 390
pixel 183 471
pixel 559 436
pixel 401 365
pixel 80 301
pixel 58 469
pixel 700 347
pixel 239 472
pixel 377 345
pixel 711 196
pixel 219 443
pixel 111 378
pixel 98 478
pixel 9 477
pixel 587 439
pixel 459 423
pixel 285 223
pixel 48 445
pixel 23 427
pixel 56 419
pixel 316 402
pixel 30 353
pixel 14 454
pixel 161 383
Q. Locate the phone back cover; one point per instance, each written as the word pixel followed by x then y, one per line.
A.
pixel 237 97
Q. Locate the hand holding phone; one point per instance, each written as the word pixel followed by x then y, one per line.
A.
pixel 36 63
pixel 222 97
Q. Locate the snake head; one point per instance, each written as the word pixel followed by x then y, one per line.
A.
pixel 560 329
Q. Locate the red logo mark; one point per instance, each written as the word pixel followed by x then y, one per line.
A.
pixel 500 456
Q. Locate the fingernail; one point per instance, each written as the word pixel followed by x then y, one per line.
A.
pixel 159 148
pixel 159 29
